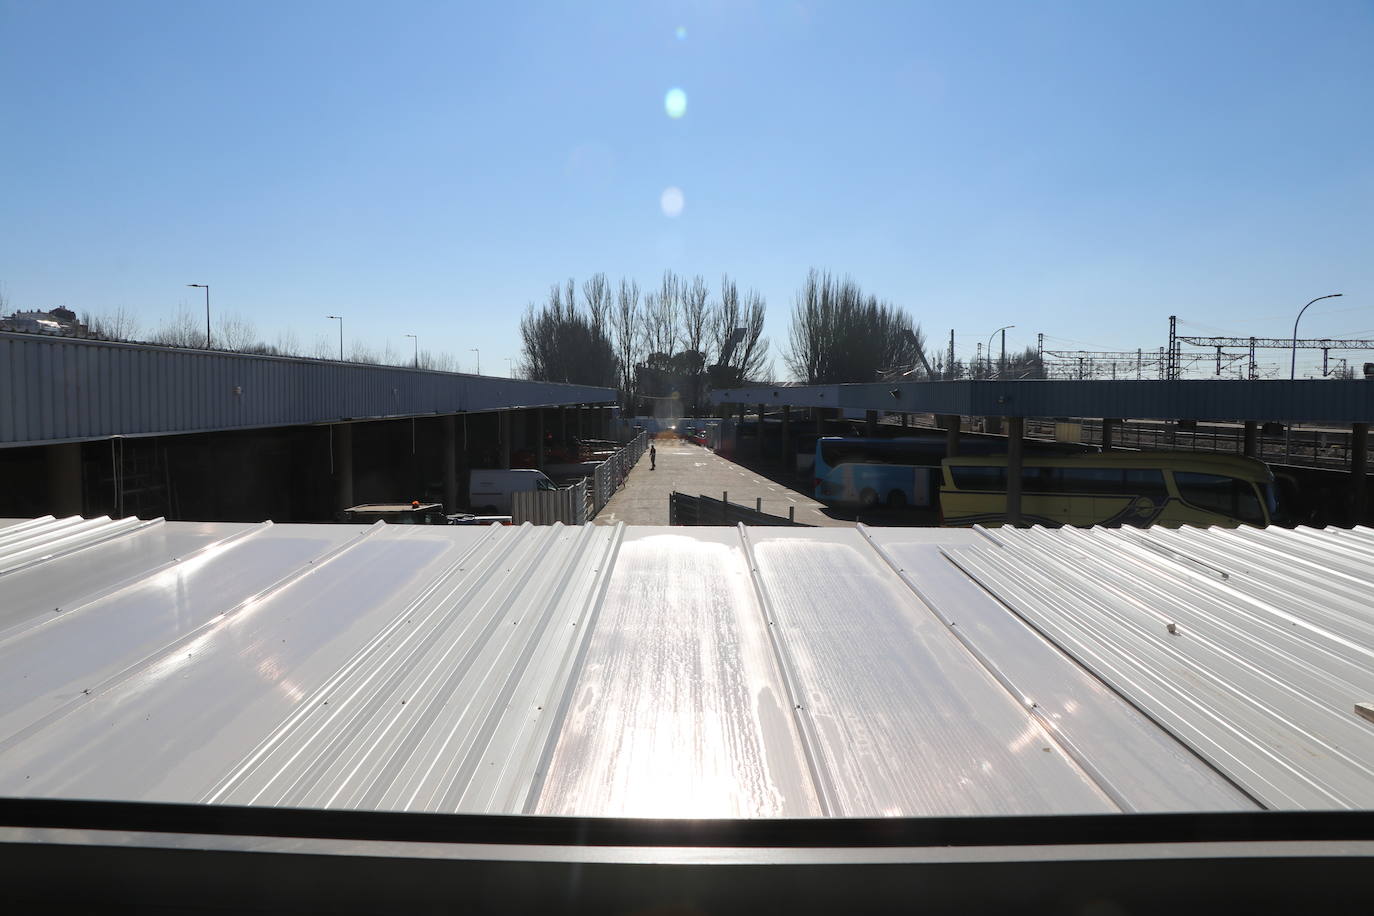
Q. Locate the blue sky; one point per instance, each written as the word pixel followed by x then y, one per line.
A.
pixel 1079 169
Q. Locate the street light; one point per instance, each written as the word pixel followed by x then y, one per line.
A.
pixel 1003 332
pixel 1293 365
pixel 417 349
pixel 510 367
pixel 479 359
pixel 339 319
pixel 206 287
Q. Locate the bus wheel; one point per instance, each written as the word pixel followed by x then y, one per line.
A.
pixel 868 499
pixel 896 499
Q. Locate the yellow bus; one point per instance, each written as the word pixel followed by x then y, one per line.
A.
pixel 1114 489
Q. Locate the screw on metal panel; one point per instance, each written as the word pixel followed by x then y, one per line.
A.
pixel 1172 628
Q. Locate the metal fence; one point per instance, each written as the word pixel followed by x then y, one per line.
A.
pixel 579 503
pixel 703 510
pixel 544 507
pixel 611 473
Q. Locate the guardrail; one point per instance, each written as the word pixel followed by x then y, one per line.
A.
pixel 611 473
pixel 703 510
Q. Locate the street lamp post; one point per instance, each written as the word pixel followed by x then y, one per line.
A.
pixel 1293 364
pixel 479 359
pixel 417 349
pixel 1293 372
pixel 510 367
pixel 206 287
pixel 339 319
pixel 1003 332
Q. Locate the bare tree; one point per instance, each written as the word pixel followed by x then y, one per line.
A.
pixel 362 353
pixel 839 335
pixel 661 316
pixel 560 344
pixel 696 316
pixel 288 344
pixel 325 347
pixel 120 324
pixel 753 358
pixel 746 361
pixel 183 330
pixel 596 295
pixel 439 362
pixel 235 332
pixel 627 321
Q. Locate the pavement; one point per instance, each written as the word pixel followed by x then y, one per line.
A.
pixel 696 471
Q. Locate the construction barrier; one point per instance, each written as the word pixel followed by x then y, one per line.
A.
pixel 544 507
pixel 578 504
pixel 703 510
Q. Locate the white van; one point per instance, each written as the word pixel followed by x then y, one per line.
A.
pixel 489 490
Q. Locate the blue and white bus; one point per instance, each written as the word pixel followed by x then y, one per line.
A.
pixel 854 471
pixel 868 472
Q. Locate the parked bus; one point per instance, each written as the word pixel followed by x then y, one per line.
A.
pixel 866 472
pixel 1113 489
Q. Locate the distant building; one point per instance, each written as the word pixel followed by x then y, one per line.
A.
pixel 60 322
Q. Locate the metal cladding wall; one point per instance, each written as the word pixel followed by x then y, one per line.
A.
pixel 67 389
pixel 1306 401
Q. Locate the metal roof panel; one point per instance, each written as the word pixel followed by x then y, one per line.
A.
pixel 686 671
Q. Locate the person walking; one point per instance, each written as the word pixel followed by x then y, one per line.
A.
pixel 653 457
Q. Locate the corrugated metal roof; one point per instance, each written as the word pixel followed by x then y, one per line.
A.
pixel 1302 401
pixel 685 672
pixel 64 389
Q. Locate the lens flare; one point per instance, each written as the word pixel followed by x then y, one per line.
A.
pixel 675 103
pixel 672 202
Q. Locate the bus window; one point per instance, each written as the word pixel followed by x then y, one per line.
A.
pixel 979 478
pixel 1147 482
pixel 1224 495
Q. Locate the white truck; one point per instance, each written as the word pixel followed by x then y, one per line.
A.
pixel 490 490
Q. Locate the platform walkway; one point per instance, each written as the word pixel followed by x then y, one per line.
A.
pixel 696 471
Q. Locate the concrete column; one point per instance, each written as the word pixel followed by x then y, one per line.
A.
pixel 343 468
pixel 577 421
pixel 563 426
pixel 870 423
pixel 760 442
pixel 992 425
pixel 1359 468
pixel 786 450
pixel 539 439
pixel 1109 426
pixel 1015 427
pixel 448 432
pixel 951 423
pixel 503 433
pixel 64 479
pixel 1251 448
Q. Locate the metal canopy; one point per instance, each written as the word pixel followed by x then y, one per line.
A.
pixel 669 672
pixel 1306 401
pixel 65 389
